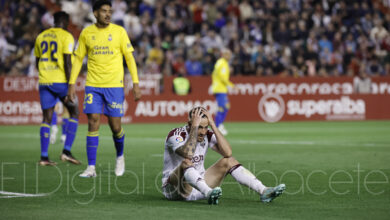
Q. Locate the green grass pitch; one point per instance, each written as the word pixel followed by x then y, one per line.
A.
pixel 333 170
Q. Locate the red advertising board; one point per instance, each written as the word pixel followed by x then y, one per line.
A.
pixel 269 99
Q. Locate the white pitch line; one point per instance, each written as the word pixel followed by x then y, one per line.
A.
pixel 19 195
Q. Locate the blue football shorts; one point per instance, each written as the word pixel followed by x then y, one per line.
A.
pixel 109 99
pixel 49 95
pixel 222 100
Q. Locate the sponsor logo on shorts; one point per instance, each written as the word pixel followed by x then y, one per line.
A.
pixel 115 105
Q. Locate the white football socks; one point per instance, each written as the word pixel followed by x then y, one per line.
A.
pixel 193 178
pixel 246 178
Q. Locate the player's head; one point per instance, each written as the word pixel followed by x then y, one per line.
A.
pixel 204 123
pixel 61 19
pixel 102 11
pixel 226 53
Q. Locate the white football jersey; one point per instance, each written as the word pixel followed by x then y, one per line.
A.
pixel 177 138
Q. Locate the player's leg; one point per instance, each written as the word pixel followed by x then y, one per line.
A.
pixel 217 172
pixel 118 135
pixel 48 101
pixel 176 180
pixel 113 108
pixel 92 144
pixel 64 125
pixel 223 108
pixel 183 179
pixel 70 131
pixel 53 125
pixel 93 104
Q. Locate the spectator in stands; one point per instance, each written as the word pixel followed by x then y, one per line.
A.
pixel 194 66
pixel 348 30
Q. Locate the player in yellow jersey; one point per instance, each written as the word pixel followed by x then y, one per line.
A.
pixel 53 50
pixel 105 44
pixel 220 84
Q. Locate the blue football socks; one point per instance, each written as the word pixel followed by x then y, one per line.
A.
pixel 70 133
pixel 119 140
pixel 92 145
pixel 45 140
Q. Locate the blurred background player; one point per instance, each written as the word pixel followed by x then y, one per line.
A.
pixel 184 176
pixel 64 124
pixel 53 51
pixel 53 124
pixel 105 44
pixel 220 84
pixel 54 120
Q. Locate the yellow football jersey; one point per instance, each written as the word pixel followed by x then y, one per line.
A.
pixel 50 46
pixel 105 48
pixel 220 77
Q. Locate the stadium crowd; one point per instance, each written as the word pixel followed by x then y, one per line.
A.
pixel 288 37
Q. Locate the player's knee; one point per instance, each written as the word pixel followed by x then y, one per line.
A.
pixel 74 113
pixel 116 129
pixel 186 163
pixel 229 162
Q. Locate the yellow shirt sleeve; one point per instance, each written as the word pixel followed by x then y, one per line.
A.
pixel 79 54
pixel 37 51
pixel 127 50
pixel 67 47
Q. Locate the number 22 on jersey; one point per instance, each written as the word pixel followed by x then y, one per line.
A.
pixel 51 49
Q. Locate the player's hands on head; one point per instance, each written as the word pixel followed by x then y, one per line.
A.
pixel 209 116
pixel 196 117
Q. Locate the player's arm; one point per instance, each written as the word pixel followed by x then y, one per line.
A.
pixel 222 146
pixel 130 61
pixel 67 65
pixel 37 63
pixel 188 149
pixel 127 50
pixel 37 53
pixel 79 55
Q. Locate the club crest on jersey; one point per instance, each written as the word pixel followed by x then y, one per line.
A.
pixel 93 37
pixel 179 139
pixel 109 37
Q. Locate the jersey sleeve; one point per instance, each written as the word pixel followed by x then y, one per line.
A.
pixel 80 52
pixel 37 48
pixel 68 44
pixel 81 48
pixel 174 142
pixel 127 50
pixel 126 46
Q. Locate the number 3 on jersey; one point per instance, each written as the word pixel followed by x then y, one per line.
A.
pixel 88 98
pixel 52 48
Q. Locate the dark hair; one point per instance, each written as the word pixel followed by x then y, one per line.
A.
pixel 193 110
pixel 100 3
pixel 60 16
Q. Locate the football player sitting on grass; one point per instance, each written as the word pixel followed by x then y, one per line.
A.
pixel 184 175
